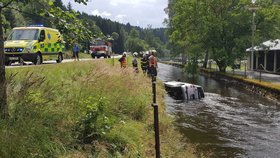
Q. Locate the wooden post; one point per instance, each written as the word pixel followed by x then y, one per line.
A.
pixel 156 119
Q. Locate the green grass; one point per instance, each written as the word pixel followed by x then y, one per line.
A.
pixel 69 55
pixel 84 109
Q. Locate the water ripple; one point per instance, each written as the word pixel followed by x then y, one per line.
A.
pixel 229 121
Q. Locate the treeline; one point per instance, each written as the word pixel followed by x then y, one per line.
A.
pixel 90 27
pixel 153 37
pixel 220 30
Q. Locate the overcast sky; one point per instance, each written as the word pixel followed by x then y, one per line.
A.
pixel 136 12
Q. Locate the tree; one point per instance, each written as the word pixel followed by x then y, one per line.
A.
pixel 153 41
pixel 13 18
pixel 219 28
pixel 59 4
pixel 3 86
pixel 69 6
pixel 115 35
pixel 134 33
pixel 134 43
pixel 108 27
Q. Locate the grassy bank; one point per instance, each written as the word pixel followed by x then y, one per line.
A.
pixel 84 109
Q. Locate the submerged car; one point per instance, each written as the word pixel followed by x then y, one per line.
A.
pixel 184 91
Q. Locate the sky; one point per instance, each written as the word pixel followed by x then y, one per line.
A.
pixel 137 12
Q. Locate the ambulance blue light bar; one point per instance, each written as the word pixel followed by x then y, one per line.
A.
pixel 38 25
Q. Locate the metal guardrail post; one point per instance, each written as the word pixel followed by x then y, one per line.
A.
pixel 156 120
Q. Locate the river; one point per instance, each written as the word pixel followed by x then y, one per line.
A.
pixel 229 122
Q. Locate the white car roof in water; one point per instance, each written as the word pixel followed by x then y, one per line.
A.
pixel 179 84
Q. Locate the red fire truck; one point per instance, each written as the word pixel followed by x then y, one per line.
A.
pixel 101 48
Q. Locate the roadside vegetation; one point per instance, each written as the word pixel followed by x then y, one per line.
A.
pixel 84 109
pixel 69 55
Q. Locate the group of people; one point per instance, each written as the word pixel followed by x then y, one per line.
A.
pixel 148 62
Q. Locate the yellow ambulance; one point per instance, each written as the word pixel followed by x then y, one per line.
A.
pixel 35 44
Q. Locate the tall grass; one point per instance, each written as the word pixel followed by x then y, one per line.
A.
pixel 84 109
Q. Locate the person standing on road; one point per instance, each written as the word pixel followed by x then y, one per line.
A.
pixel 122 60
pixel 76 52
pixel 153 64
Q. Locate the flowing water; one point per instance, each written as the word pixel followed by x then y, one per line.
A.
pixel 229 122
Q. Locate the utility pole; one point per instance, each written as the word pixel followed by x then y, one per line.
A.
pixel 156 120
pixel 253 9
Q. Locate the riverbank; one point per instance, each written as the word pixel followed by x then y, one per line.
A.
pixel 85 109
pixel 264 88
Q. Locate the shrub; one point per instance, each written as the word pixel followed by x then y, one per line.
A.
pixel 94 123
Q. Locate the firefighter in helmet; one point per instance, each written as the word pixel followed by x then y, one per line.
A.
pixel 144 62
pixel 153 64
pixel 122 60
pixel 135 62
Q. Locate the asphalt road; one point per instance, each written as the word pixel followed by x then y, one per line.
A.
pixel 29 64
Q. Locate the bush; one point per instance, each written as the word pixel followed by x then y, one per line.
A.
pixel 191 68
pixel 94 123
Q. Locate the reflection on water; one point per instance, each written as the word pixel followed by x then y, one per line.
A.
pixel 229 121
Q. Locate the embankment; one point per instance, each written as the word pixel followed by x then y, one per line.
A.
pixel 85 109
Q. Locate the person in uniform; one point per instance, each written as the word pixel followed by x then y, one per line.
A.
pixel 153 64
pixel 122 60
pixel 144 63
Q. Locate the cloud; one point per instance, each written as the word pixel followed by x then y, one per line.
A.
pixel 120 16
pixel 103 14
pixel 124 11
pixel 106 13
